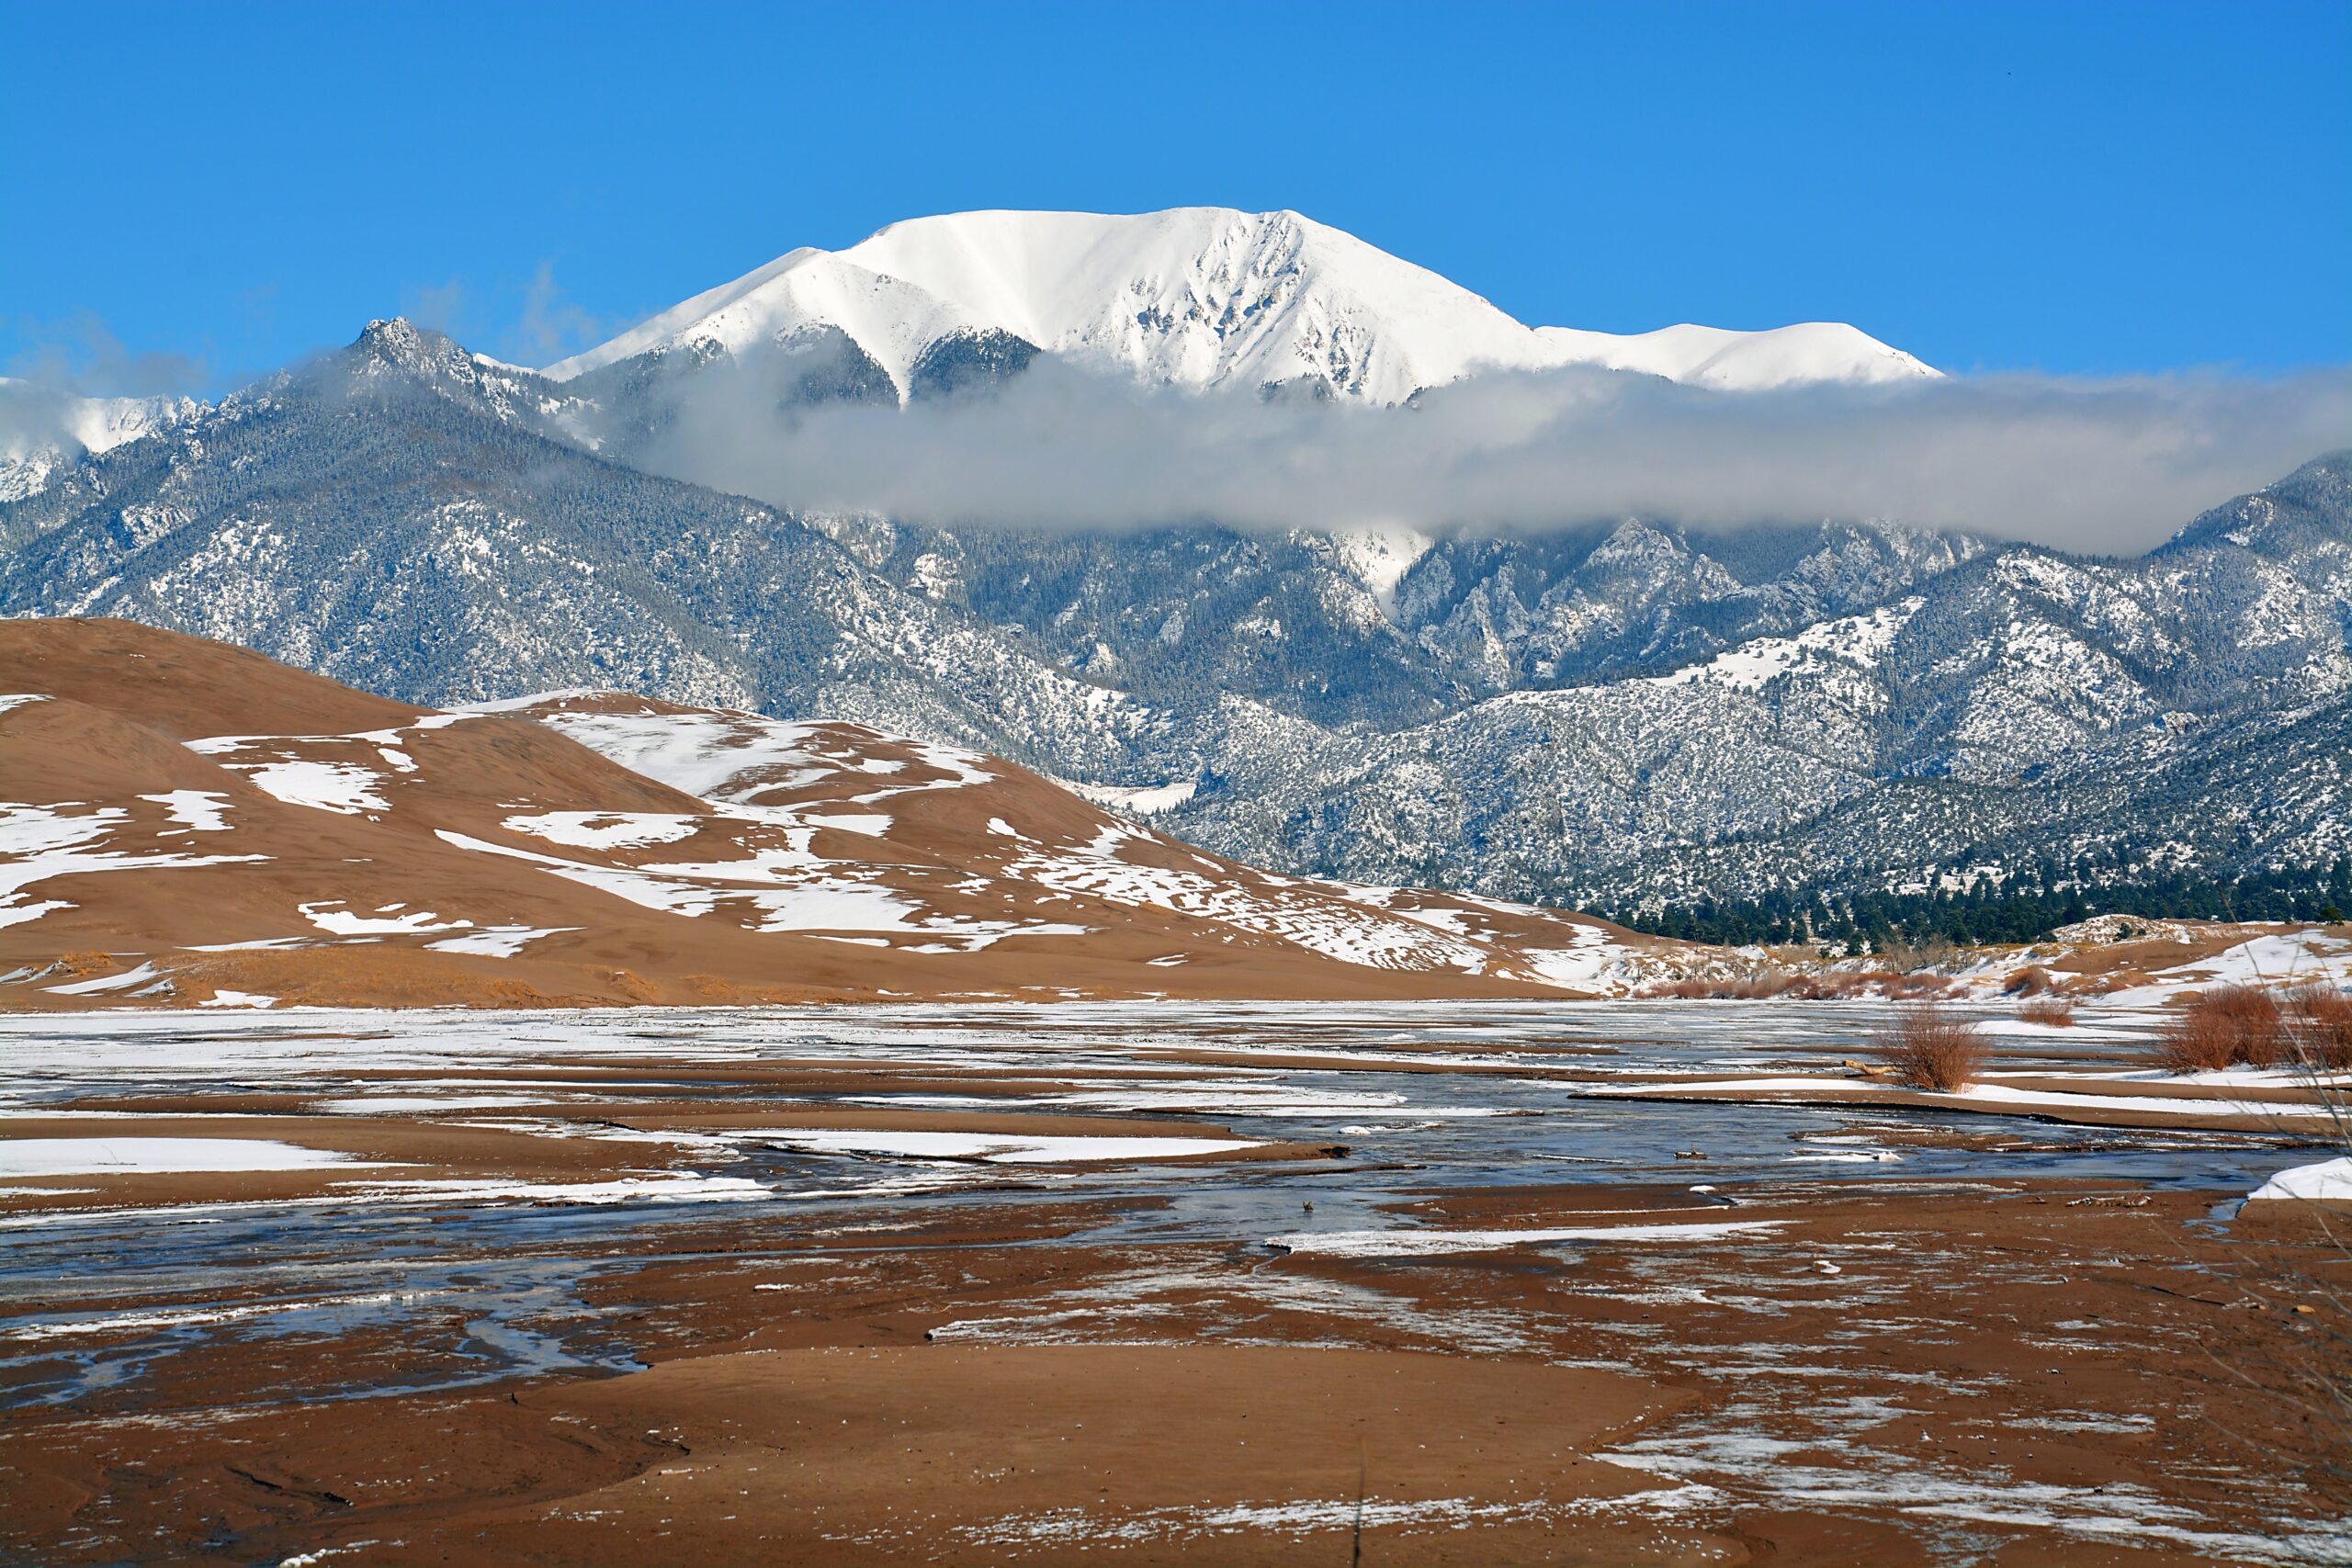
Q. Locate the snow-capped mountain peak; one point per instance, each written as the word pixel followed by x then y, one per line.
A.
pixel 1200 296
pixel 43 430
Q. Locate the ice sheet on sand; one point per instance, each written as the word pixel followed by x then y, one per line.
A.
pixel 226 999
pixel 1000 1148
pixel 685 1189
pixel 2141 1104
pixel 380 1104
pixel 2329 1179
pixel 99 1156
pixel 2236 1077
pixel 1418 1243
pixel 343 788
pixel 496 942
pixel 1990 1097
pixel 187 1317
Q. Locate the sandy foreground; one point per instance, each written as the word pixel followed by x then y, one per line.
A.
pixel 1005 1289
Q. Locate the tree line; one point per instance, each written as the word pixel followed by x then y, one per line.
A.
pixel 2023 909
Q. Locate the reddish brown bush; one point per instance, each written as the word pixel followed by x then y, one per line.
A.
pixel 1679 990
pixel 1757 987
pixel 2031 980
pixel 2228 1026
pixel 1927 1047
pixel 2047 1009
pixel 1917 988
pixel 2320 1026
pixel 1762 986
pixel 1823 988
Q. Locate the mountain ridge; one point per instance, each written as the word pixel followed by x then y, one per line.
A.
pixel 1625 715
pixel 1195 297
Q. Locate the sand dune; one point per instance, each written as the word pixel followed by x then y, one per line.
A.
pixel 188 822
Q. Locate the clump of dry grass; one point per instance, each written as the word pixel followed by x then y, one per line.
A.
pixel 1920 986
pixel 2031 980
pixel 1761 985
pixel 1834 985
pixel 1683 991
pixel 2227 1026
pixel 1928 1047
pixel 2322 1026
pixel 2054 1010
pixel 1824 987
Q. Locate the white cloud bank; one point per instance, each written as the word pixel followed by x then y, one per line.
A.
pixel 2085 464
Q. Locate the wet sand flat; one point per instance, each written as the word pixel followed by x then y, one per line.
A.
pixel 768 1289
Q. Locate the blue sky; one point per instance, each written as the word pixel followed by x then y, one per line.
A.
pixel 202 192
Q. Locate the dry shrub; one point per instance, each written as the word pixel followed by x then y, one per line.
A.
pixel 1759 987
pixel 2048 1009
pixel 1822 987
pixel 1919 988
pixel 1826 987
pixel 2228 1026
pixel 2322 1027
pixel 1679 990
pixel 2030 981
pixel 1928 1047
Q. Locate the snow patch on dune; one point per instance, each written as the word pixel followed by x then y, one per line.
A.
pixel 343 788
pixel 389 920
pixel 37 843
pixel 605 830
pixel 196 810
pixel 496 942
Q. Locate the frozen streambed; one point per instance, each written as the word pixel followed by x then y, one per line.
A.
pixel 1428 1095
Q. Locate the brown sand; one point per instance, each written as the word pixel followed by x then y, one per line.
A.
pixel 2011 1335
pixel 435 840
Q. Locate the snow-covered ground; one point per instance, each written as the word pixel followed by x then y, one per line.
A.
pixel 2329 1182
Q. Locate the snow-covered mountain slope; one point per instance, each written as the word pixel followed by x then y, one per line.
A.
pixel 1196 296
pixel 42 430
pixel 1849 704
pixel 338 847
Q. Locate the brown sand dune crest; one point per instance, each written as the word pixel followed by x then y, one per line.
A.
pixel 193 824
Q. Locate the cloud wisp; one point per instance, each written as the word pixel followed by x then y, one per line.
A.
pixel 2108 466
pixel 79 353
